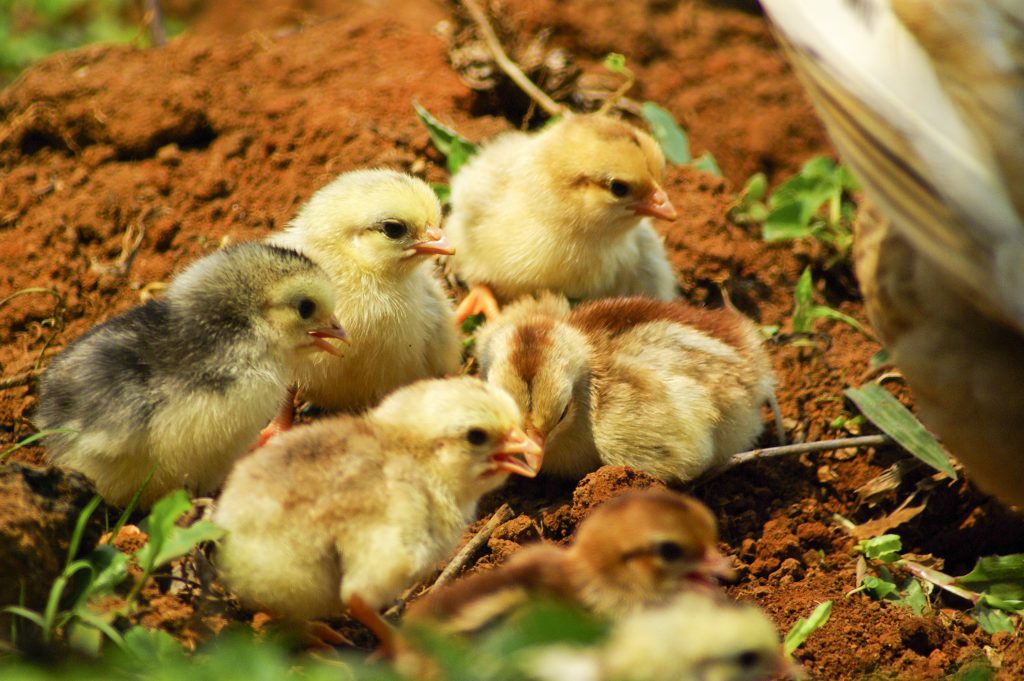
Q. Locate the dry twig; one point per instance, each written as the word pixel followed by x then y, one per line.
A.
pixel 20 379
pixel 506 64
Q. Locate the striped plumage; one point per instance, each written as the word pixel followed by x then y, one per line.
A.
pixel 925 102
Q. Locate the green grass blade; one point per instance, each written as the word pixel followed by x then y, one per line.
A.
pixel 130 508
pixel 805 626
pixel 893 418
pixel 80 523
pixel 30 615
pixel 33 438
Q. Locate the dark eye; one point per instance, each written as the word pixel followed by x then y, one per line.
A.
pixel 307 308
pixel 669 551
pixel 393 229
pixel 618 188
pixel 748 659
pixel 565 412
pixel 476 436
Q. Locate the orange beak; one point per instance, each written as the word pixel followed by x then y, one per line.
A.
pixel 435 244
pixel 518 454
pixel 656 204
pixel 332 330
pixel 716 566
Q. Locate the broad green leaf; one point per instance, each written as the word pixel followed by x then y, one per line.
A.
pixel 614 62
pixel 544 623
pixel 456 149
pixel 184 539
pixel 708 164
pixel 893 418
pixel 819 166
pixel 880 358
pixel 471 323
pixel 914 597
pixel 442 190
pixel 990 619
pixel 786 222
pixel 878 587
pixel 152 645
pixel 159 525
pixel 670 136
pixel 805 626
pixel 886 547
pixel 996 569
pixel 755 189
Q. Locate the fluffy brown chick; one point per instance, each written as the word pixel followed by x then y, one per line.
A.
pixel 349 511
pixel 565 209
pixel 374 232
pixel 636 550
pixel 664 387
pixel 923 100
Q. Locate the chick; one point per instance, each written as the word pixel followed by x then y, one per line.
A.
pixel 349 511
pixel 664 387
pixel 564 209
pixel 695 637
pixel 181 386
pixel 923 100
pixel 636 550
pixel 372 231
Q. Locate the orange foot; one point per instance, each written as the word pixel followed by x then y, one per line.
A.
pixel 384 632
pixel 479 299
pixel 282 422
pixel 319 636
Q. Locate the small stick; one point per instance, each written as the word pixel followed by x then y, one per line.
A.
pixel 463 557
pixel 800 448
pixel 510 68
pixel 156 22
pixel 20 379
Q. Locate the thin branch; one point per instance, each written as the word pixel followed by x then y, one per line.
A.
pixel 510 68
pixel 155 17
pixel 800 448
pixel 463 557
pixel 20 379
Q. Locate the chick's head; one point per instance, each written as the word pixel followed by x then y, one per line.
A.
pixel 382 221
pixel 605 173
pixel 276 295
pixel 541 361
pixel 642 547
pixel 462 432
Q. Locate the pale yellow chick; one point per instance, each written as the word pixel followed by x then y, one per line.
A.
pixel 350 510
pixel 564 209
pixel 663 387
pixel 373 232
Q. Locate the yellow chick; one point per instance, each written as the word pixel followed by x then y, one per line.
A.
pixel 181 386
pixel 373 232
pixel 695 637
pixel 923 100
pixel 636 550
pixel 663 387
pixel 564 209
pixel 349 511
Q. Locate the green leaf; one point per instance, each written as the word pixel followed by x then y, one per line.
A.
pixel 80 523
pixel 30 615
pixel 443 191
pixel 152 646
pixel 886 547
pixel 786 222
pixel 471 323
pixel 914 597
pixel 879 588
pixel 805 626
pixel 996 569
pixel 670 136
pixel 456 149
pixel 614 62
pixel 823 311
pixel 991 620
pixel 544 623
pixel 893 418
pixel 880 358
pixel 802 303
pixel 755 189
pixel 708 164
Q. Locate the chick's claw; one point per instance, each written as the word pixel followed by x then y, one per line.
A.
pixel 479 300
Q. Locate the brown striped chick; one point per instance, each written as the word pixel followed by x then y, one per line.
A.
pixel 923 100
pixel 564 209
pixel 373 232
pixel 179 387
pixel 349 511
pixel 634 551
pixel 663 387
pixel 694 637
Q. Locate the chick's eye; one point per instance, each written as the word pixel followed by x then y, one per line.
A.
pixel 476 436
pixel 393 229
pixel 307 308
pixel 669 551
pixel 748 659
pixel 565 412
pixel 618 188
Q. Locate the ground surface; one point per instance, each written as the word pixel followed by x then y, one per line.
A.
pixel 223 134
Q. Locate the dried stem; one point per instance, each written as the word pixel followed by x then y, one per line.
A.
pixel 462 558
pixel 800 448
pixel 510 68
pixel 20 379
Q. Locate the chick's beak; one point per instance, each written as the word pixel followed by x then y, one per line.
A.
pixel 715 566
pixel 332 330
pixel 436 243
pixel 656 204
pixel 519 454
